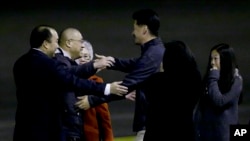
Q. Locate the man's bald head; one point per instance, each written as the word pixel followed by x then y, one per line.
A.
pixel 69 34
pixel 71 41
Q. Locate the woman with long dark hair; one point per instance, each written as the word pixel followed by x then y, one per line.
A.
pixel 222 91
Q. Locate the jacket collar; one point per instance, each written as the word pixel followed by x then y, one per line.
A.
pixel 63 52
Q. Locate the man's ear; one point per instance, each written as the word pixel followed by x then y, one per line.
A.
pixel 45 44
pixel 68 43
pixel 145 29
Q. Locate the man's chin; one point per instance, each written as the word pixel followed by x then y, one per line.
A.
pixel 83 62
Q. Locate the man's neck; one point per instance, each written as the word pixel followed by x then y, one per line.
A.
pixel 149 39
pixel 65 52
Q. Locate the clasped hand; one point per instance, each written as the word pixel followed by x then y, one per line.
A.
pixel 117 88
pixel 102 62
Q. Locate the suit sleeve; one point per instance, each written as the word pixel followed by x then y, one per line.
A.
pixel 97 100
pixel 138 70
pixel 69 80
pixel 85 70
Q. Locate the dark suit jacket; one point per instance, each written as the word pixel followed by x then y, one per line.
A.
pixel 71 115
pixel 39 81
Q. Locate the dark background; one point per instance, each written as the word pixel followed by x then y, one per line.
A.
pixel 108 26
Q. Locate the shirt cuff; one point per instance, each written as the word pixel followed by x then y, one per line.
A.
pixel 107 89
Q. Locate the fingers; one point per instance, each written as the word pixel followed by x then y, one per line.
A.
pixel 214 68
pixel 80 100
pixel 118 89
pixel 102 63
pixel 98 70
pixel 109 58
pixel 109 63
pixel 118 82
pixel 81 97
pixel 121 88
pixel 119 93
pixel 83 102
pixel 99 56
pixel 236 73
pixel 131 96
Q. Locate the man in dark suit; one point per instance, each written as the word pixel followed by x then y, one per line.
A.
pixel 71 45
pixel 39 82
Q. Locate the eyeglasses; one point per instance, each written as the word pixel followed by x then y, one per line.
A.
pixel 80 41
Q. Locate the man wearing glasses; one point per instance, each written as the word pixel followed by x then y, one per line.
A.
pixel 70 47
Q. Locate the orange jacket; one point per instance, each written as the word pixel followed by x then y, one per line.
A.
pixel 97 121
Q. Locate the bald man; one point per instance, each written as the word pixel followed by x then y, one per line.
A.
pixel 70 47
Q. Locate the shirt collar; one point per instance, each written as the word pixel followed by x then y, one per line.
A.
pixel 65 53
pixel 150 43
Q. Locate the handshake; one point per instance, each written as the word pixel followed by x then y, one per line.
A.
pixel 102 62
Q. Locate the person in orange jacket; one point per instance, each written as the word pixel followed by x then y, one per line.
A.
pixel 96 116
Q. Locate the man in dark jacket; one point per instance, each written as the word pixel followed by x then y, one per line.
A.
pixel 71 44
pixel 145 33
pixel 39 82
